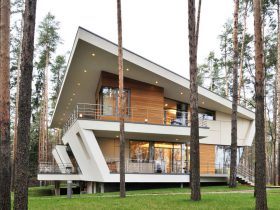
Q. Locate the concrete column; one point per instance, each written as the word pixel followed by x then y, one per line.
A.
pixel 69 189
pixel 57 188
pixel 89 188
pixel 102 187
pixel 94 187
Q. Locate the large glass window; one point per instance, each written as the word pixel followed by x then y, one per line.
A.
pixel 175 113
pixel 206 114
pixel 223 156
pixel 139 151
pixel 167 157
pixel 109 100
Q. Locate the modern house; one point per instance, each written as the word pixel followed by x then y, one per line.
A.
pixel 157 122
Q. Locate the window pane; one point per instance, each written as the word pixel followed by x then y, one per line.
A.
pixel 109 101
pixel 139 151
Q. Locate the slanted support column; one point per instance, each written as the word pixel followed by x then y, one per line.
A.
pixel 89 188
pixel 57 188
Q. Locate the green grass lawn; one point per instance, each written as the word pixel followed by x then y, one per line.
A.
pixel 172 198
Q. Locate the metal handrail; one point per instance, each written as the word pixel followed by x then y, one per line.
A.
pixel 132 114
pixel 159 166
pixel 57 168
pixel 246 173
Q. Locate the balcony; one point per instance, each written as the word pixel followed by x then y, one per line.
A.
pixel 161 167
pixel 132 114
pixel 54 168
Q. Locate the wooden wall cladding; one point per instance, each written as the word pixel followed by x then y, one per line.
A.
pixel 146 100
pixel 207 159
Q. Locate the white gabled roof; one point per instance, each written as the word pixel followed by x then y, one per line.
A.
pixel 86 43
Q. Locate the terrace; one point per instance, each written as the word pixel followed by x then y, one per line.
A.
pixel 170 117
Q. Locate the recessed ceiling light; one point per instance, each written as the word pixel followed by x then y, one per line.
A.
pixel 127 69
pixel 156 82
pixel 166 105
pixel 93 54
pixel 177 139
pixel 78 84
pixel 181 93
pixel 74 94
pixel 117 136
pixel 85 70
pixel 71 99
pixel 202 102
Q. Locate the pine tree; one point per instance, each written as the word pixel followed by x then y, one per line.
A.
pixel 194 150
pixel 5 170
pixel 121 102
pixel 233 147
pixel 260 177
pixel 24 110
pixel 47 42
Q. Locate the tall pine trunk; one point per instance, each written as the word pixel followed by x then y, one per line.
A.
pixel 260 182
pixel 121 103
pixel 241 80
pixel 194 151
pixel 278 89
pixel 43 135
pixel 233 147
pixel 24 108
pixel 5 150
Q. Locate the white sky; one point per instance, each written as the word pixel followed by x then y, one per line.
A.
pixel 154 29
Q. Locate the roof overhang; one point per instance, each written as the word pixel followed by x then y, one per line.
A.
pixel 83 72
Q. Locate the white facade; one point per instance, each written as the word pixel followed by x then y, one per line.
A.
pixel 87 137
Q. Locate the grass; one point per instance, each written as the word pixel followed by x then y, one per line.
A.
pixel 161 199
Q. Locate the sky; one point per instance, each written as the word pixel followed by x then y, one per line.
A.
pixel 154 29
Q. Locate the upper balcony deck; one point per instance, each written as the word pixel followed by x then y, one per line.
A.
pixel 85 111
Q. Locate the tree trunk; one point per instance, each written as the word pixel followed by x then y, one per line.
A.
pixel 16 109
pixel 197 24
pixel 241 82
pixel 260 182
pixel 5 150
pixel 43 135
pixel 194 153
pixel 233 148
pixel 278 90
pixel 121 103
pixel 274 130
pixel 24 108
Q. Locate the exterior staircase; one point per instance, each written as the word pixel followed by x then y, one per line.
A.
pixel 245 175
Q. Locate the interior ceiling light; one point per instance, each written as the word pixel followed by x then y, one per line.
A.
pixel 85 70
pixel 78 84
pixel 74 94
pixel 117 136
pixel 156 82
pixel 93 54
pixel 71 99
pixel 202 102
pixel 181 93
pixel 166 105
pixel 127 69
